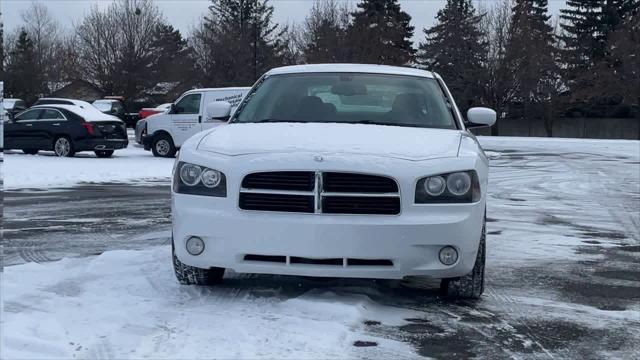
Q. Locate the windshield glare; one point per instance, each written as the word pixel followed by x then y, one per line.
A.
pixel 349 98
pixel 102 105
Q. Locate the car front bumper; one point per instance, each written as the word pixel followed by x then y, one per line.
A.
pixel 140 127
pixel 146 140
pixel 410 243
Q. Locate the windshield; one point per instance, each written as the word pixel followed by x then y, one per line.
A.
pixel 8 104
pixel 102 105
pixel 348 98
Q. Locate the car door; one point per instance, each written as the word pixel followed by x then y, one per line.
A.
pixel 18 134
pixel 50 124
pixel 186 118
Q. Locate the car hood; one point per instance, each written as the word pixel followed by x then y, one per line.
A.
pixel 408 143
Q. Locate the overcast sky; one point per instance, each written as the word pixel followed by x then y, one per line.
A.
pixel 183 13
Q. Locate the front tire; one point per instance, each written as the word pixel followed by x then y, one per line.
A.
pixel 470 286
pixel 104 153
pixel 191 275
pixel 163 146
pixel 63 147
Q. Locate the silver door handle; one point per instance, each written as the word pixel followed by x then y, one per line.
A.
pixel 56 124
pixel 29 124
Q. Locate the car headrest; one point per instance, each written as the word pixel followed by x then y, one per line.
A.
pixel 408 103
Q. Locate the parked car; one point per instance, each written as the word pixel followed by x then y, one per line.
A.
pixel 112 107
pixel 146 112
pixel 65 129
pixel 141 125
pixel 336 170
pixel 166 133
pixel 117 106
pixel 11 107
pixel 62 101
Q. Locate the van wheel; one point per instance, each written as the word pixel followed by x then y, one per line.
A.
pixel 470 286
pixel 63 147
pixel 104 153
pixel 163 146
pixel 30 151
pixel 191 275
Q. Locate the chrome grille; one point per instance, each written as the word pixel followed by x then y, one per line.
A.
pixel 320 192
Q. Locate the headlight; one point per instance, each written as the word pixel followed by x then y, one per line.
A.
pixel 198 180
pixel 457 187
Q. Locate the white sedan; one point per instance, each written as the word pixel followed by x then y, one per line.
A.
pixel 336 170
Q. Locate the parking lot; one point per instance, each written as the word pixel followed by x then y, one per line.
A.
pixel 88 273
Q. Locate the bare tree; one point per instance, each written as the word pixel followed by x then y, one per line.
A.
pixel 46 34
pixel 323 34
pixel 501 84
pixel 114 45
pixel 97 41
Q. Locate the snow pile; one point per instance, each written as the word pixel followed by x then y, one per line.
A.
pixel 128 304
pixel 47 171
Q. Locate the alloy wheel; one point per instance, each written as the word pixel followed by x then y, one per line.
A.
pixel 62 147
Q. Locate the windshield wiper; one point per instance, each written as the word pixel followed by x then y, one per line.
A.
pixel 372 122
pixel 277 121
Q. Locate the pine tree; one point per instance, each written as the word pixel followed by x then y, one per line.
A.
pixel 245 42
pixel 619 72
pixel 172 57
pixel 325 33
pixel 588 25
pixel 1 48
pixel 532 54
pixel 381 33
pixel 455 49
pixel 24 77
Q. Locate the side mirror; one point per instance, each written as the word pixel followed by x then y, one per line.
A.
pixel 480 117
pixel 172 109
pixel 218 110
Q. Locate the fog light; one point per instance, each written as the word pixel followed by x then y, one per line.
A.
pixel 448 255
pixel 195 245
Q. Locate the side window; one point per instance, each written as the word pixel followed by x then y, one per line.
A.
pixel 50 114
pixel 29 115
pixel 189 104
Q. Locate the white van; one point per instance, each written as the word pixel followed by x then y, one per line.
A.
pixel 166 132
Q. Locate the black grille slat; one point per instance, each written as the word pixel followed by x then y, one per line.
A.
pixel 360 205
pixel 282 180
pixel 276 202
pixel 358 183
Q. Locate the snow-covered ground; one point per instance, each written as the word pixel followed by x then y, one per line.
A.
pixel 127 304
pixel 562 281
pixel 45 170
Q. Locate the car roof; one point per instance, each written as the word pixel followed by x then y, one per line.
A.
pixel 351 68
pixel 220 89
pixel 63 99
pixel 90 114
